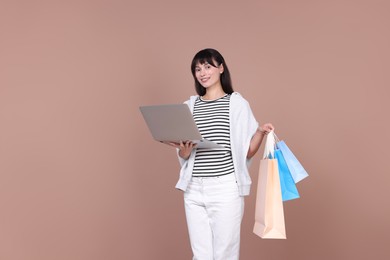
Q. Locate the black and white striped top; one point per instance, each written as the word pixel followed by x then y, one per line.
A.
pixel 212 119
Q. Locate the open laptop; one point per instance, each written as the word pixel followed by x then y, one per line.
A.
pixel 174 123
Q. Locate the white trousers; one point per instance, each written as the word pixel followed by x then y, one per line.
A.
pixel 214 211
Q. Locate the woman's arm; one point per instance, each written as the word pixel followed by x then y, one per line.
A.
pixel 257 139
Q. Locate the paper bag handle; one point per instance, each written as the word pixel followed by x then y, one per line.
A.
pixel 269 147
pixel 276 138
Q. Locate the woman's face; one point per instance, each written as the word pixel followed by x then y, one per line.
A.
pixel 208 75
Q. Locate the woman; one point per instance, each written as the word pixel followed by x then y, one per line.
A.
pixel 215 181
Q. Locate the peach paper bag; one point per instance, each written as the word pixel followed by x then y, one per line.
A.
pixel 269 214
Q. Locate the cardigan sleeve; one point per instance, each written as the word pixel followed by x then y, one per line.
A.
pixel 247 124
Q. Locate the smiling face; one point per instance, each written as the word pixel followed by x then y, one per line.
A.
pixel 209 69
pixel 208 75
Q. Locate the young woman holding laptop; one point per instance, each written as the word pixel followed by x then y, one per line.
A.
pixel 215 181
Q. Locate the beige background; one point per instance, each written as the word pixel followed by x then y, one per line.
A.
pixel 81 177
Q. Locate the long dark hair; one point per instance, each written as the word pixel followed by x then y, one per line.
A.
pixel 214 58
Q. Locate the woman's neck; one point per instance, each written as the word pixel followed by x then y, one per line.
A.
pixel 213 93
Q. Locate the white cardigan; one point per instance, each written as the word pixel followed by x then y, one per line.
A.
pixel 243 126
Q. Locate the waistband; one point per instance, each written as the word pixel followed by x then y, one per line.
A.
pixel 224 178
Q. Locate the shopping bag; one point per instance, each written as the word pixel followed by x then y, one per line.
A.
pixel 287 184
pixel 297 171
pixel 269 214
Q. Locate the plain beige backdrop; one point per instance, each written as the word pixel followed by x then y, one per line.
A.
pixel 81 177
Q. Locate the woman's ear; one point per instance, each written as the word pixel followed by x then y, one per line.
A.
pixel 221 69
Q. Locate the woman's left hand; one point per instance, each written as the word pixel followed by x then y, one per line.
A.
pixel 266 128
pixel 258 138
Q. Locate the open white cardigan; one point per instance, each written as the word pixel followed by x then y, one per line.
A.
pixel 243 126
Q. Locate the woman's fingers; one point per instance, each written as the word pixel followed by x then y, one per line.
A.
pixel 182 145
pixel 268 127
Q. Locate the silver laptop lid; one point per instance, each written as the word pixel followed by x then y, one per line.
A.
pixel 174 123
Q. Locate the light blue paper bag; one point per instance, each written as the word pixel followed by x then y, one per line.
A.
pixel 297 171
pixel 287 184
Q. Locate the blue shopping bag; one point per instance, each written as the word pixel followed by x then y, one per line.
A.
pixel 297 171
pixel 287 184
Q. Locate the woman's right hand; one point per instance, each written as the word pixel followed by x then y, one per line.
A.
pixel 185 148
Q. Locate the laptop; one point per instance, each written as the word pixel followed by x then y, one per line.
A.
pixel 174 123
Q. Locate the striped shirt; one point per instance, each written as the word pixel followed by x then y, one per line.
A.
pixel 212 119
